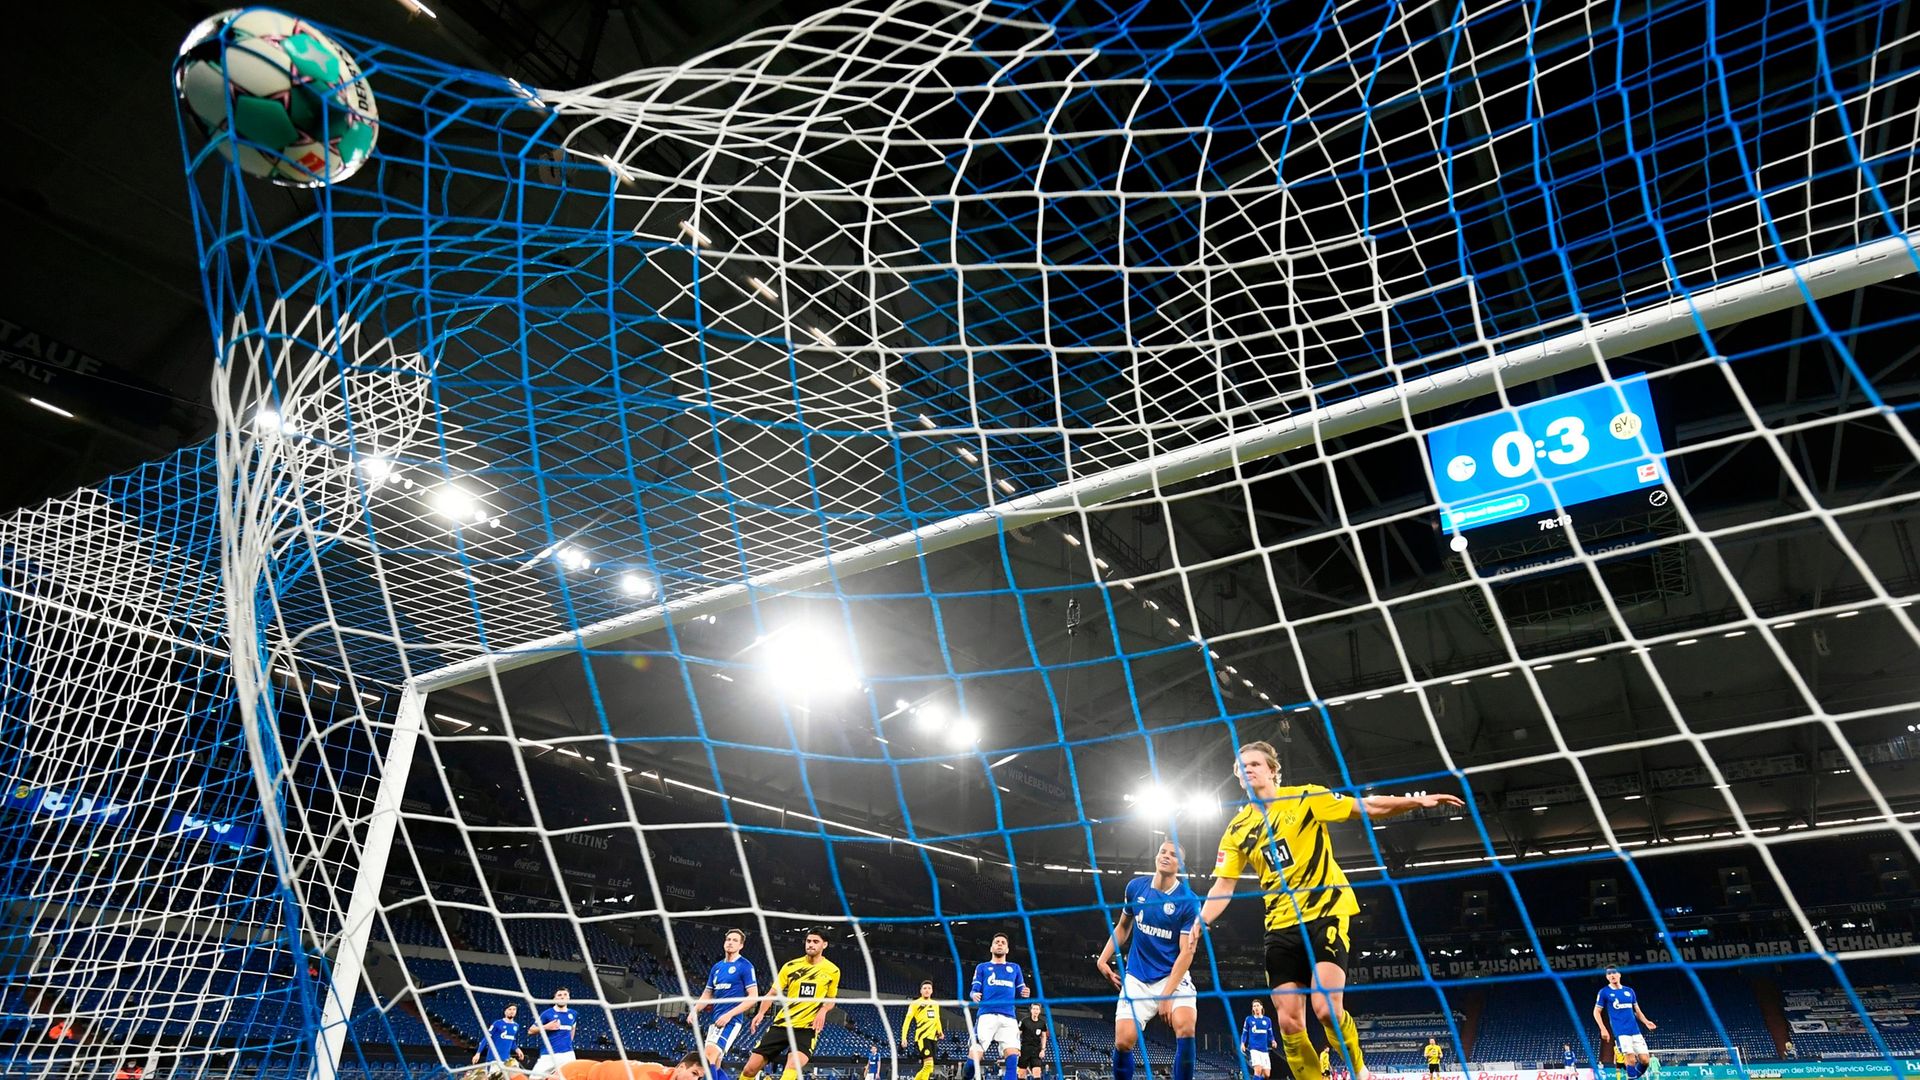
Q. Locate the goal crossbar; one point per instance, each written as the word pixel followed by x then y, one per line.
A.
pixel 1706 309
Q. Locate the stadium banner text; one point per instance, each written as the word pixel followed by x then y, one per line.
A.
pixel 47 804
pixel 1594 961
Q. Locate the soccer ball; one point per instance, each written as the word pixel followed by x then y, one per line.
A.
pixel 278 97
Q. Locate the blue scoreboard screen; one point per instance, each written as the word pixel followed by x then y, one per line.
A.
pixel 1589 444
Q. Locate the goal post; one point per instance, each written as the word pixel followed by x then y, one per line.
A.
pixel 1708 309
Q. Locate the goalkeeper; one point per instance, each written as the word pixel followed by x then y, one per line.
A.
pixel 1282 836
pixel 922 1029
pixel 689 1067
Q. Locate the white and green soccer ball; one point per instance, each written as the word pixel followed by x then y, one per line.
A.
pixel 278 97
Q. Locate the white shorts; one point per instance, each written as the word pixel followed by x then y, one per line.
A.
pixel 1631 1044
pixel 994 1028
pixel 549 1064
pixel 1260 1060
pixel 1141 1002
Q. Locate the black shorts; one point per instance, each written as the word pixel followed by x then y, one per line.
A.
pixel 1288 957
pixel 1433 1067
pixel 927 1048
pixel 1029 1056
pixel 776 1043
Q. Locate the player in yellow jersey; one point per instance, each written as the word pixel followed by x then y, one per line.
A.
pixel 1432 1052
pixel 1281 835
pixel 1326 1061
pixel 806 985
pixel 922 1030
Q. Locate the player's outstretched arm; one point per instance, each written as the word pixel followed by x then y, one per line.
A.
pixel 1386 806
pixel 1217 898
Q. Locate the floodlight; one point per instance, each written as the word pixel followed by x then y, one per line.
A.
pixel 455 503
pixel 636 584
pixel 963 732
pixel 802 660
pixel 376 469
pixel 1155 802
pixel 270 422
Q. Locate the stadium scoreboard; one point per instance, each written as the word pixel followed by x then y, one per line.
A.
pixel 1583 447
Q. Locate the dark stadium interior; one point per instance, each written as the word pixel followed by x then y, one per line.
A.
pixel 1758 730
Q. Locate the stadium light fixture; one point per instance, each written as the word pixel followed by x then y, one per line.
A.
pixel 50 407
pixel 376 469
pixel 801 658
pixel 270 422
pixel 455 503
pixel 572 558
pixel 963 732
pixel 634 584
pixel 929 717
pixel 1155 803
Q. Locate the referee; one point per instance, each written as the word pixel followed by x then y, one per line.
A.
pixel 1033 1044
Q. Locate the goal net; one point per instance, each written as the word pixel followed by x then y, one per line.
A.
pixel 871 477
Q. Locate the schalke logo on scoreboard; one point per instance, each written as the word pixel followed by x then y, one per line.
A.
pixel 44 803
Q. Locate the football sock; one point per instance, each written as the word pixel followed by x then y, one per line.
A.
pixel 1345 1040
pixel 1301 1056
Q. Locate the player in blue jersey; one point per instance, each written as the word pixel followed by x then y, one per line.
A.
pixel 556 1034
pixel 1256 1040
pixel 1567 1060
pixel 873 1061
pixel 502 1043
pixel 996 985
pixel 1161 916
pixel 732 989
pixel 1617 1011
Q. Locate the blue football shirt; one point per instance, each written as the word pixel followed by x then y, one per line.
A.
pixel 559 1040
pixel 1618 1006
pixel 501 1038
pixel 999 986
pixel 1257 1032
pixel 729 981
pixel 1159 918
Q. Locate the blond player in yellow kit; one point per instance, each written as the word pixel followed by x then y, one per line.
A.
pixel 1281 835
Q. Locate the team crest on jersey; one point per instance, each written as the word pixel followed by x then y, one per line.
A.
pixel 1167 908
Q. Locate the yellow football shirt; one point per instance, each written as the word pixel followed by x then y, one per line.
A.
pixel 1289 849
pixel 923 1022
pixel 807 986
pixel 1433 1054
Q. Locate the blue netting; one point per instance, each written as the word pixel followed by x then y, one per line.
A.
pixel 553 358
